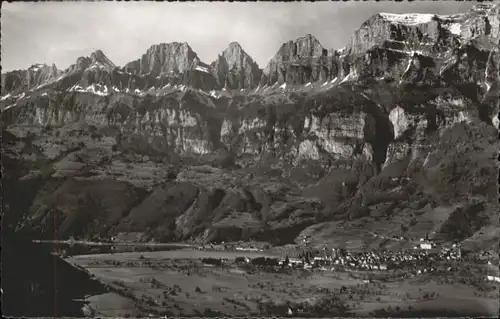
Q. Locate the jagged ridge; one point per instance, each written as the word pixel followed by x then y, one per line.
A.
pixel 387 43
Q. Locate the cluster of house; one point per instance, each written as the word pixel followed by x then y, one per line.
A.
pixel 415 262
pixel 374 260
pixel 418 260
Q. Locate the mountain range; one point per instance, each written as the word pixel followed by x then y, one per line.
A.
pixel 425 48
pixel 395 133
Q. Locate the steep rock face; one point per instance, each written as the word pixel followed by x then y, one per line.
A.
pixel 290 128
pixel 339 123
pixel 200 76
pixel 183 122
pixel 335 125
pixel 23 80
pixel 171 63
pixel 163 59
pixel 405 32
pixel 417 125
pixel 235 69
pixel 424 48
pixel 299 62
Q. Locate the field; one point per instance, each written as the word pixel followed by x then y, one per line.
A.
pixel 177 283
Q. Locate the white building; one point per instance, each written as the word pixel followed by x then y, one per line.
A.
pixel 425 246
pixel 295 261
pixel 493 278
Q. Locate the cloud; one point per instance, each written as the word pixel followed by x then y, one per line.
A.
pixel 60 32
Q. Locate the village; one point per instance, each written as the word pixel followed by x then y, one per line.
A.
pixel 338 259
pixel 422 258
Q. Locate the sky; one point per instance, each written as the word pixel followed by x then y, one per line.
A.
pixel 60 32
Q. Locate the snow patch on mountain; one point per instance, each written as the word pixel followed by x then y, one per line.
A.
pixel 17 97
pixel 349 77
pixel 409 18
pixel 8 107
pixel 96 89
pixel 202 69
pixel 97 65
pixel 5 97
pixel 410 62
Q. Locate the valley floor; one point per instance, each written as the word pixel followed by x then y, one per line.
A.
pixel 177 283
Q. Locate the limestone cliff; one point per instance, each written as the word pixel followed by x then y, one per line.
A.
pixel 299 62
pixel 23 80
pixel 235 69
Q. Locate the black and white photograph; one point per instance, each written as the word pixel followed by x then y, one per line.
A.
pixel 326 159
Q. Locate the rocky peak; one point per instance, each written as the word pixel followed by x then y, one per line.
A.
pixel 430 32
pixel 30 78
pixel 235 69
pixel 401 32
pixel 94 68
pixel 96 60
pixel 163 59
pixel 306 46
pixel 298 62
pixel 235 56
pixel 100 60
pixel 420 48
pixel 45 70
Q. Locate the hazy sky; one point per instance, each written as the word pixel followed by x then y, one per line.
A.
pixel 55 32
